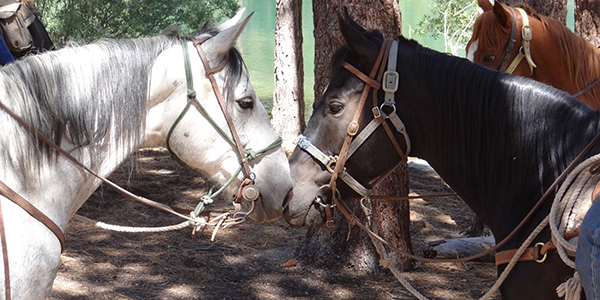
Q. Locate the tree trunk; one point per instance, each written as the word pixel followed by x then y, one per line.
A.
pixel 390 219
pixel 587 20
pixel 556 9
pixel 288 95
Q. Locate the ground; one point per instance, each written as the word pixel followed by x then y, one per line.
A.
pixel 249 261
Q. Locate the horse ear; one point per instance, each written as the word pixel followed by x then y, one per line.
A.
pixel 351 21
pixel 220 44
pixel 501 14
pixel 354 36
pixel 231 22
pixel 485 4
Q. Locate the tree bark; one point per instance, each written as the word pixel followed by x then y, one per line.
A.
pixel 587 20
pixel 556 9
pixel 288 95
pixel 390 219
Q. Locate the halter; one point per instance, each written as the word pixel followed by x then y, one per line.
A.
pixel 524 50
pixel 335 163
pixel 247 191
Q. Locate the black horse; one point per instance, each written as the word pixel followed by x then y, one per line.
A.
pixel 498 140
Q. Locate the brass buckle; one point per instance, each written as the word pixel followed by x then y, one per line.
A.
pixel 541 260
pixel 353 128
pixel 331 164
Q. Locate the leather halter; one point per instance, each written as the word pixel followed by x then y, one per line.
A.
pixel 353 140
pixel 524 50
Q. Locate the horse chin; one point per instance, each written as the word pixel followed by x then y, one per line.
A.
pixel 301 211
pixel 259 213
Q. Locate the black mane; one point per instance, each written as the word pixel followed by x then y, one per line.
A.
pixel 500 134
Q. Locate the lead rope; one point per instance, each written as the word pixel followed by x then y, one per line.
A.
pixel 566 211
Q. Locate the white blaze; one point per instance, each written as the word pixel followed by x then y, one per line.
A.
pixel 471 51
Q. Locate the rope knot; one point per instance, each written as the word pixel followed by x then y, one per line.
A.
pixel 206 199
pixel 191 94
pixel 251 154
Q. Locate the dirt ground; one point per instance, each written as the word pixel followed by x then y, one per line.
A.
pixel 246 261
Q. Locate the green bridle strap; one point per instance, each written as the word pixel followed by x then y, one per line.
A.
pixel 192 99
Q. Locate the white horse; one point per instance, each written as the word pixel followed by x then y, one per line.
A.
pixel 100 103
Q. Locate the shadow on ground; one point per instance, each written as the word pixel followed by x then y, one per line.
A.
pixel 244 262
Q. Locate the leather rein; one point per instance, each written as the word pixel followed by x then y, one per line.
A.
pixel 353 140
pixel 247 190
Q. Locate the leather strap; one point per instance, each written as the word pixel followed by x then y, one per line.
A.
pixel 5 256
pixel 525 50
pixel 353 127
pixel 537 253
pixel 209 74
pixel 510 46
pixel 34 212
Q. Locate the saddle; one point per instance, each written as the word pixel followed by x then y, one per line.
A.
pixel 14 20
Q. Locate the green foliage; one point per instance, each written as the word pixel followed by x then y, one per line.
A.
pixel 87 20
pixel 452 20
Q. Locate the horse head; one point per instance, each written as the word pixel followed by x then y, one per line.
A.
pixel 190 120
pixel 502 36
pixel 328 127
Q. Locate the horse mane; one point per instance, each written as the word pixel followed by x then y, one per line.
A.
pixel 83 96
pixel 575 50
pixel 533 122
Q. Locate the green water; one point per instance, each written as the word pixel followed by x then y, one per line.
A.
pixel 258 39
pixel 257 44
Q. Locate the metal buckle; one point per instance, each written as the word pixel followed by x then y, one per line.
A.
pixel 541 260
pixel 390 81
pixel 331 163
pixel 527 33
pixel 376 112
pixel 353 128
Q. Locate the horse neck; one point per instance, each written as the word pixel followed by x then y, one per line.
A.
pixel 570 65
pixel 469 143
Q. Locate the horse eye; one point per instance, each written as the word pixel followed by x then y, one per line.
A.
pixel 489 58
pixel 245 103
pixel 335 107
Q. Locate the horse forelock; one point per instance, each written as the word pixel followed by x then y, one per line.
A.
pixel 81 95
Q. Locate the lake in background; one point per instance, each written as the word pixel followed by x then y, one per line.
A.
pixel 257 42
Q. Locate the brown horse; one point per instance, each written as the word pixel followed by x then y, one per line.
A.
pixel 563 59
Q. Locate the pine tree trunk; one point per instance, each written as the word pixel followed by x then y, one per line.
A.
pixel 390 219
pixel 556 9
pixel 587 20
pixel 288 95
